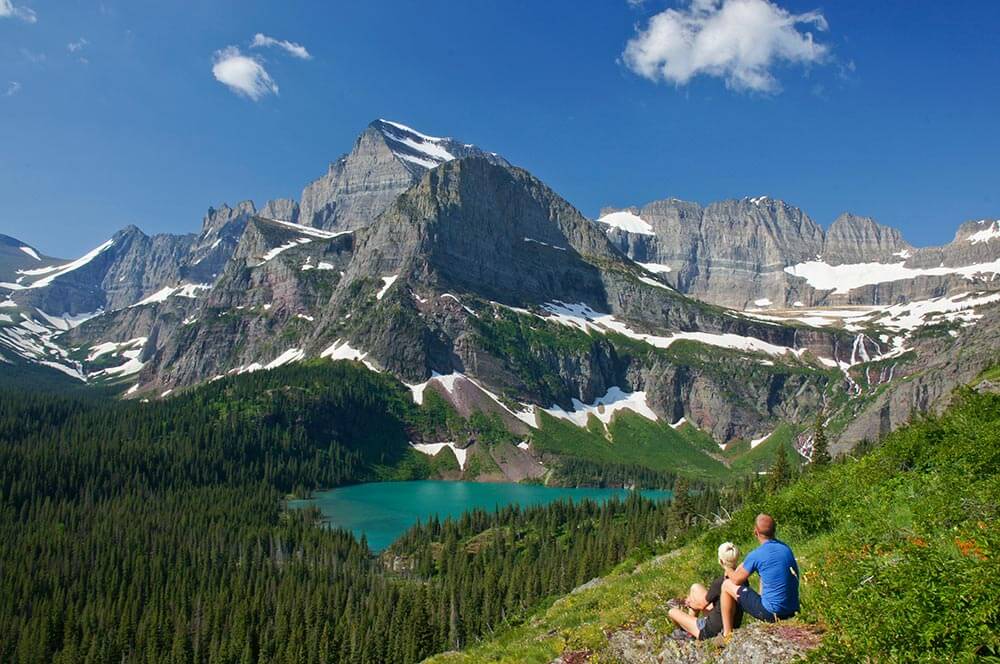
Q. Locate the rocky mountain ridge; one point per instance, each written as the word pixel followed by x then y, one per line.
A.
pixel 764 253
pixel 447 267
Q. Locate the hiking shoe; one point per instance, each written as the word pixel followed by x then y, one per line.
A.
pixel 681 635
pixel 675 603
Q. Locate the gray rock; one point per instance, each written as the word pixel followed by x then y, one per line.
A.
pixel 385 161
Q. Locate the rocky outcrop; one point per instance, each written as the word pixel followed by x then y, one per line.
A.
pixel 854 239
pixel 758 643
pixel 282 209
pixel 387 158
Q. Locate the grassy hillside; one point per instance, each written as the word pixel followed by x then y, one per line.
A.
pixel 898 551
pixel 632 439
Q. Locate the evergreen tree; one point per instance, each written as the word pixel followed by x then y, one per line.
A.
pixel 780 471
pixel 820 448
pixel 681 507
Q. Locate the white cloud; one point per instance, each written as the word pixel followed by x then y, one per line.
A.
pixel 736 40
pixel 242 74
pixel 9 10
pixel 78 45
pixel 261 40
pixel 12 89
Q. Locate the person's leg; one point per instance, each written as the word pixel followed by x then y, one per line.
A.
pixel 685 621
pixel 730 595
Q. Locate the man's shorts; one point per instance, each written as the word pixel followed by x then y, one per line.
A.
pixel 702 634
pixel 751 603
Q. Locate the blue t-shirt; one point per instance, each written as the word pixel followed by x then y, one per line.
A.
pixel 779 576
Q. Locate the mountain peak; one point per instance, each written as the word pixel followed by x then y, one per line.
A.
pixel 413 146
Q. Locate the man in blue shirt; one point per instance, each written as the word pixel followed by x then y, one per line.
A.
pixel 779 580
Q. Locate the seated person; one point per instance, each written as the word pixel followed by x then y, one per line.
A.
pixel 774 561
pixel 703 620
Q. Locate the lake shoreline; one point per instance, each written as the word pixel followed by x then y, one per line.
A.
pixel 382 511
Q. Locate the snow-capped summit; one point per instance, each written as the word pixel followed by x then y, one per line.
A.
pixel 412 146
pixel 386 160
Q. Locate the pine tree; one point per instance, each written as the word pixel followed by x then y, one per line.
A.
pixel 681 507
pixel 779 472
pixel 821 450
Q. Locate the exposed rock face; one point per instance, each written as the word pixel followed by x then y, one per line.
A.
pixel 221 231
pixel 739 254
pixel 758 643
pixel 854 239
pixel 282 209
pixel 386 160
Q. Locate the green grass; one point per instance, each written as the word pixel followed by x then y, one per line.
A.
pixel 746 460
pixel 898 552
pixel 633 440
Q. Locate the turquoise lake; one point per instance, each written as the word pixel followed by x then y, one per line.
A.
pixel 382 511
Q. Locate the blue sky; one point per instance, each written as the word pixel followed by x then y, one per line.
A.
pixel 891 110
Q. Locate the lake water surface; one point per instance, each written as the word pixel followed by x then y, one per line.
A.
pixel 382 511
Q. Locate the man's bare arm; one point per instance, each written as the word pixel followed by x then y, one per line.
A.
pixel 740 576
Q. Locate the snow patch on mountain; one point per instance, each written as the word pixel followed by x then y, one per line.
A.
pixel 387 284
pixel 31 252
pixel 417 148
pixel 449 381
pixel 604 408
pixel 432 449
pixel 656 268
pixel 991 232
pixel 115 347
pixel 274 252
pixel 955 308
pixel 584 318
pixel 627 221
pixel 842 279
pixel 181 290
pixel 544 244
pixel 289 356
pixel 317 233
pixel 67 321
pixel 53 272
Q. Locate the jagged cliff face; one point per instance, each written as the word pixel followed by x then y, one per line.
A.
pixel 761 252
pixel 453 270
pixel 386 160
pixel 422 290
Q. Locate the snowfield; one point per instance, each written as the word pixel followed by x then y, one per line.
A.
pixel 53 272
pixel 604 408
pixel 991 232
pixel 627 221
pixel 584 318
pixel 842 279
pixel 429 152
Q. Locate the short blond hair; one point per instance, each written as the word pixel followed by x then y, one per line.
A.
pixel 728 555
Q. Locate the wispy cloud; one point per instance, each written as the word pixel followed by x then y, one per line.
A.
pixel 74 47
pixel 738 41
pixel 9 10
pixel 12 89
pixel 261 40
pixel 242 74
pixel 32 57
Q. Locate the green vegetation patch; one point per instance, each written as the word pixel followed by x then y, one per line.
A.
pixel 631 439
pixel 896 549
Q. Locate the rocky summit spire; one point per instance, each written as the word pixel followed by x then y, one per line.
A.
pixel 387 159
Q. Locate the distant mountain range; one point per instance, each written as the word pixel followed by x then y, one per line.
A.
pixel 455 271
